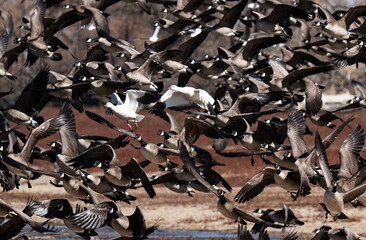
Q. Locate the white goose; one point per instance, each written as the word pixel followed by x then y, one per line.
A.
pixel 183 96
pixel 127 110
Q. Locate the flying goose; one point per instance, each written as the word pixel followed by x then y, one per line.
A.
pixel 339 28
pixel 104 156
pixel 328 232
pixel 61 209
pixel 333 200
pixel 224 205
pixel 284 216
pixel 127 110
pixel 15 224
pixel 4 39
pixel 350 174
pixel 287 179
pixel 182 96
pixel 37 45
pixel 112 45
pixel 156 154
pixel 99 183
pixel 277 21
pixel 227 22
pixel 15 160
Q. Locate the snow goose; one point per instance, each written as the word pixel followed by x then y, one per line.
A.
pixel 185 96
pixel 127 110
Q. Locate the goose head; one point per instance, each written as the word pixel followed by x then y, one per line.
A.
pixel 88 40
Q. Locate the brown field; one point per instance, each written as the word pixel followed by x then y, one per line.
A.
pixel 177 211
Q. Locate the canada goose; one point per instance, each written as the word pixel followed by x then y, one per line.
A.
pixel 224 205
pixel 335 233
pixel 325 119
pixel 132 226
pixel 37 45
pixel 248 51
pixel 31 101
pixel 171 138
pixel 127 110
pixel 99 69
pixel 13 227
pixel 99 183
pixel 61 209
pixel 296 128
pixel 142 75
pixel 227 22
pixel 278 17
pixel 350 175
pixel 112 45
pixel 46 129
pixel 156 154
pixel 333 200
pixel 104 156
pixel 172 183
pixel 339 28
pixel 84 11
pixel 284 216
pixel 286 179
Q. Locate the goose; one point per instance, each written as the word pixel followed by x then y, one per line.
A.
pixel 287 179
pixel 278 17
pixel 333 200
pixel 99 69
pixel 328 232
pixel 15 161
pixel 350 174
pixel 127 110
pixel 31 101
pixel 156 154
pixel 242 60
pixel 104 156
pixel 181 96
pixel 61 209
pixel 108 213
pixel 226 207
pixel 339 28
pixel 37 45
pixel 112 45
pixel 4 39
pixel 227 22
pixel 99 183
pixel 14 226
pixel 284 216
pixel 142 75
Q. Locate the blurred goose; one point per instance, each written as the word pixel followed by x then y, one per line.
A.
pixel 127 110
pixel 333 200
pixel 6 18
pixel 327 232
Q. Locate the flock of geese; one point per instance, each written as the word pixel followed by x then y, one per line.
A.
pixel 264 73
